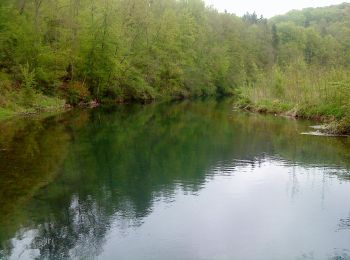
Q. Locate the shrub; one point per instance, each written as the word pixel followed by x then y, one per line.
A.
pixel 27 84
pixel 77 93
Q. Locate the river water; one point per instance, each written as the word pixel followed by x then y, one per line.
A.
pixel 183 180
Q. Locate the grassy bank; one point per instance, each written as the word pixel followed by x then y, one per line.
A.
pixel 19 102
pixel 309 93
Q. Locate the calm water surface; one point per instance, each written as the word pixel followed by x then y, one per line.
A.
pixel 190 180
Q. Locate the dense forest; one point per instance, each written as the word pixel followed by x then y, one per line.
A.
pixel 138 50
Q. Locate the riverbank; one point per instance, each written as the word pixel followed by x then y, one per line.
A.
pixel 313 93
pixel 333 123
pixel 16 103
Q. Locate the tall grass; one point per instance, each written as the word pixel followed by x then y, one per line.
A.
pixel 19 99
pixel 303 91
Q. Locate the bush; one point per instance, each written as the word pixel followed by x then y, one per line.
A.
pixel 341 127
pixel 77 93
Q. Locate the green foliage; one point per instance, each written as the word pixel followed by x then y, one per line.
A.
pixel 310 76
pixel 136 49
pixel 120 50
pixel 77 93
pixel 25 99
pixel 278 83
pixel 4 113
pixel 28 76
pixel 28 82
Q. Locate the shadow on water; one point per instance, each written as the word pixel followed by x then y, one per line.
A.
pixel 70 178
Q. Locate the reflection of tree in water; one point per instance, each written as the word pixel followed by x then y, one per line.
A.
pixel 120 160
pixel 29 161
pixel 344 223
pixel 78 227
pixel 340 254
pixel 337 255
pixel 294 183
pixel 81 228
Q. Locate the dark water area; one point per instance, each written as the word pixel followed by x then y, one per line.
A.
pixel 187 180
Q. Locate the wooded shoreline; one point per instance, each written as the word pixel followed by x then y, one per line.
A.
pixel 73 52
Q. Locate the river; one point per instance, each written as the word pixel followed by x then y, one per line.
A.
pixel 181 180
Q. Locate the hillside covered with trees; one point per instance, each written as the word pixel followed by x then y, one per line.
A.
pixel 137 50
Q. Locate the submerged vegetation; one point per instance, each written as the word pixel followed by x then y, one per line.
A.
pixel 139 50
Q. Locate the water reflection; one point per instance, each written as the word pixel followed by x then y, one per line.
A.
pixel 87 183
pixel 344 223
